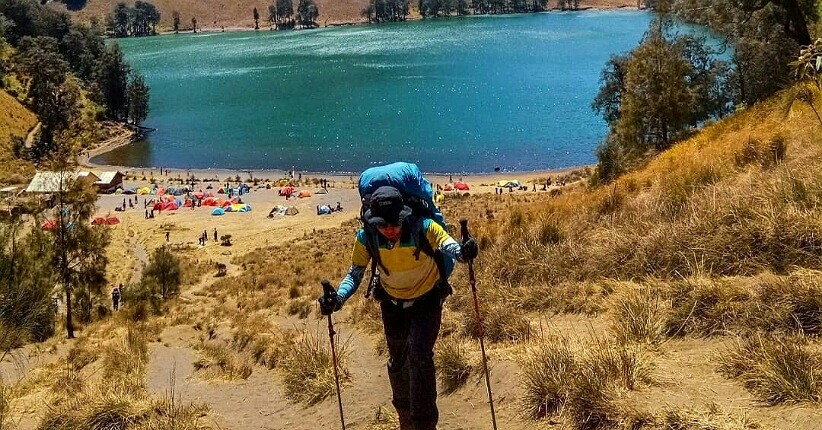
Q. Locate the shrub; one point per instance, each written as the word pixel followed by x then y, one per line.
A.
pixel 500 323
pixel 548 367
pixel 453 363
pixel 777 369
pixel 638 314
pixel 307 368
pixel 217 361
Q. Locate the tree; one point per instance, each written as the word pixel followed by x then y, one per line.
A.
pixel 256 19
pixel 112 79
pixel 794 19
pixel 194 23
pixel 285 9
pixel 175 17
pixel 44 72
pixel 83 47
pixel 121 20
pixel 137 99
pixel 307 13
pixel 163 272
pixel 656 95
pixel 79 256
pixel 26 281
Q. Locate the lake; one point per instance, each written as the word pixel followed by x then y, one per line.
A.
pixel 460 94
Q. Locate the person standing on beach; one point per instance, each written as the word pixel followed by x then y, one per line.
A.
pixel 168 235
pixel 215 234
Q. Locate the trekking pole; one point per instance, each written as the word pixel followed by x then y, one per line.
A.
pixel 328 290
pixel 473 282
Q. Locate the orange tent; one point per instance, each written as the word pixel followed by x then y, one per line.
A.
pixel 305 193
pixel 112 220
pixel 462 186
pixel 99 221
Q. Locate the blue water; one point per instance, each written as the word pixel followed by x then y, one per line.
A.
pixel 461 94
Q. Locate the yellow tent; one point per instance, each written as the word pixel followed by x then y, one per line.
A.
pixel 143 191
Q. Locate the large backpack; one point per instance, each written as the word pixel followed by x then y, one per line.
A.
pixel 419 196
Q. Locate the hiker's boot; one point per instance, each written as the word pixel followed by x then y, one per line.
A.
pixel 404 416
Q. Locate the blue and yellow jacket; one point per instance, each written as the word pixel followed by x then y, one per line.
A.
pixel 408 277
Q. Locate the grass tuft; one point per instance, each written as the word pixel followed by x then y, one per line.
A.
pixel 307 368
pixel 777 369
pixel 453 363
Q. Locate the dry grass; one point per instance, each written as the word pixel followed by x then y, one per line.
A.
pixel 15 122
pixel 219 361
pixel 583 389
pixel 384 419
pixel 777 369
pixel 454 364
pixel 307 369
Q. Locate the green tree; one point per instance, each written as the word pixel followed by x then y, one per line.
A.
pixel 44 73
pixel 163 272
pixel 194 24
pixel 121 20
pixel 79 247
pixel 26 282
pixel 175 17
pixel 307 13
pixel 256 19
pixel 112 80
pixel 138 99
pixel 83 47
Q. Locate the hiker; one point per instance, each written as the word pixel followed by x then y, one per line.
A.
pixel 215 234
pixel 146 213
pixel 115 298
pixel 411 291
pixel 168 234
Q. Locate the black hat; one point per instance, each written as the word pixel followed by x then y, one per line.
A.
pixel 386 207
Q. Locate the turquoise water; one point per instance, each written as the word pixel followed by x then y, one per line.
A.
pixel 454 95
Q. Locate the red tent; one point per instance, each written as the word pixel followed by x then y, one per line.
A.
pixel 188 203
pixel 158 206
pixel 98 221
pixel 170 206
pixel 448 187
pixel 462 186
pixel 49 224
pixel 210 201
pixel 199 194
pixel 286 191
pixel 112 220
pixel 226 204
pixel 161 191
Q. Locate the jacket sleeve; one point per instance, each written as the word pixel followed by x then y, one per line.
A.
pixel 439 238
pixel 359 261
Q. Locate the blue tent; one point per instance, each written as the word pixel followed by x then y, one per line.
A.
pixel 218 211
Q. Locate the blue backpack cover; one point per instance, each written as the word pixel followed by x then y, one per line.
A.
pixel 415 189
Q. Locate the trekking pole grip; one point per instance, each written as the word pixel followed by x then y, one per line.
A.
pixel 464 229
pixel 328 290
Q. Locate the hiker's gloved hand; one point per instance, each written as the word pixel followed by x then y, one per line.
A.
pixel 329 304
pixel 469 249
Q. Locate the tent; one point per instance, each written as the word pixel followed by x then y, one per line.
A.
pixel 218 211
pixel 286 191
pixel 209 201
pixel 199 194
pixel 112 220
pixel 157 206
pixel 292 210
pixel 240 207
pixel 448 187
pixel 98 221
pixel 160 191
pixel 143 191
pixel 321 191
pixel 220 191
pixel 305 193
pixel 130 191
pixel 462 186
pixel 505 183
pixel 49 225
pixel 170 206
pixel 188 203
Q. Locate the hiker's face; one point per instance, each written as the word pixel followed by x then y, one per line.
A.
pixel 391 232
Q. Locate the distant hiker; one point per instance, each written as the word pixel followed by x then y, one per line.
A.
pixel 535 187
pixel 411 291
pixel 146 213
pixel 168 234
pixel 115 298
pixel 215 234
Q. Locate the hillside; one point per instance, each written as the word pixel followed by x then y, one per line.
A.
pixel 687 295
pixel 16 121
pixel 214 14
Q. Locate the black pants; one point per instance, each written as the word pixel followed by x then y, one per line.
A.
pixel 411 334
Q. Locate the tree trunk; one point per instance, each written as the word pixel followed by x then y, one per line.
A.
pixel 799 32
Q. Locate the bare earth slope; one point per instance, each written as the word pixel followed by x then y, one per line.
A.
pixel 214 14
pixel 15 121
